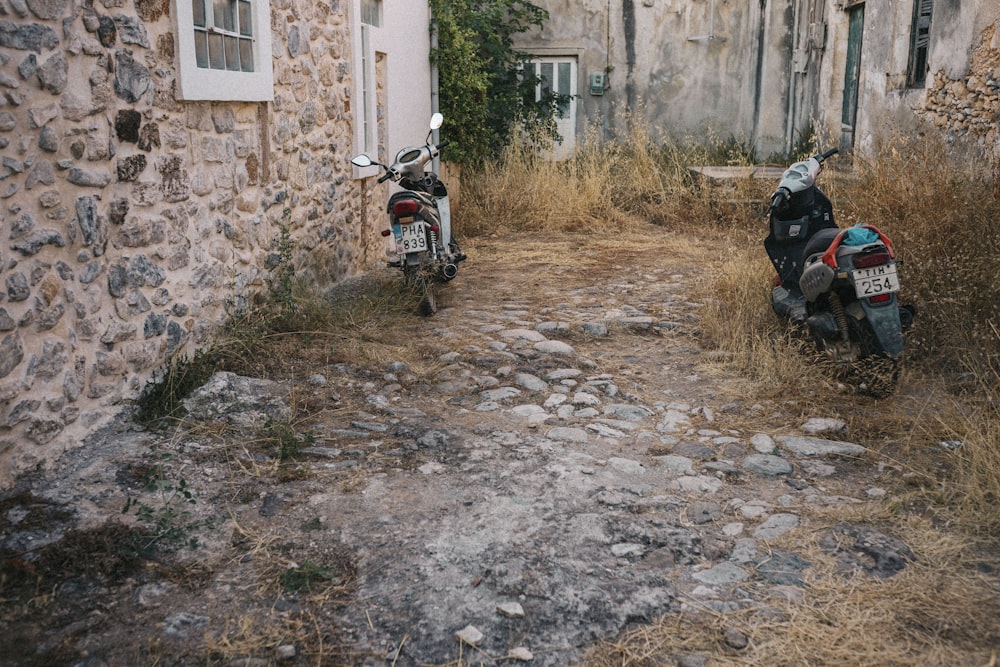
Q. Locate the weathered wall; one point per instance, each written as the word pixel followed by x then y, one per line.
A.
pixel 969 103
pixel 770 70
pixel 958 97
pixel 691 67
pixel 130 222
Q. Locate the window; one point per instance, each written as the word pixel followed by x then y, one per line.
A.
pixel 371 12
pixel 223 37
pixel 920 39
pixel 369 72
pixel 224 50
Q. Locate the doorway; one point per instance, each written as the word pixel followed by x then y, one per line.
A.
pixel 852 76
pixel 558 75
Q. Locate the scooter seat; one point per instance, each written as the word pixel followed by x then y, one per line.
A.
pixel 820 241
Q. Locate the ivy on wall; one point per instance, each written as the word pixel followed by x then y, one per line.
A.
pixel 484 96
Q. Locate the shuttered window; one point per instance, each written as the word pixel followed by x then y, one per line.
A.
pixel 920 38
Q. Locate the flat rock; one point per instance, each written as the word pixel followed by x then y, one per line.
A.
pixel 776 525
pixel 678 464
pixel 523 334
pixel 766 464
pixel 530 382
pixel 555 347
pixel 470 635
pixel 818 425
pixel 499 394
pixel 627 412
pixel 723 573
pixel 763 443
pixel 808 446
pixel 510 610
pixel 781 567
pixel 567 434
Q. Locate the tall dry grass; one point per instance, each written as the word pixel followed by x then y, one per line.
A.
pixel 608 184
pixel 935 200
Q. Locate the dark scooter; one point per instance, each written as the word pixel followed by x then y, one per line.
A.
pixel 841 284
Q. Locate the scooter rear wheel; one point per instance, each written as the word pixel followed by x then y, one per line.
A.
pixel 424 288
pixel 876 376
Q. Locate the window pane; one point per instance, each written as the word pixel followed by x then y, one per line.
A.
pixel 246 24
pixel 198 9
pixel 225 14
pixel 528 72
pixel 201 48
pixel 216 58
pixel 246 55
pixel 232 53
pixel 563 87
pixel 370 12
pixel 546 75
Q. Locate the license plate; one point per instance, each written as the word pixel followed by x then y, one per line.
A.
pixel 875 280
pixel 410 238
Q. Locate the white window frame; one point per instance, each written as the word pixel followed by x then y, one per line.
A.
pixel 198 83
pixel 366 139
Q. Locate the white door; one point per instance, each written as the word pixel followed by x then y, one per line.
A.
pixel 558 75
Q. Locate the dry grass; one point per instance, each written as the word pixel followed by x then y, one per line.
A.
pixel 935 202
pixel 941 610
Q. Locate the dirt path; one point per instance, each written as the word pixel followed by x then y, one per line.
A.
pixel 554 465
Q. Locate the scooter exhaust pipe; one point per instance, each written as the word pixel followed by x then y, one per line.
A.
pixel 449 271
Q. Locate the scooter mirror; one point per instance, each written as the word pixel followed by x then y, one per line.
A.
pixel 436 120
pixel 362 161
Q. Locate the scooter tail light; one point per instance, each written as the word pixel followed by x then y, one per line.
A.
pixel 879 299
pixel 405 207
pixel 871 259
pixel 386 232
pixel 434 228
pixel 775 280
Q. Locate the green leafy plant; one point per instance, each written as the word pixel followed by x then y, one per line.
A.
pixel 287 438
pixel 485 95
pixel 164 397
pixel 170 524
pixel 307 576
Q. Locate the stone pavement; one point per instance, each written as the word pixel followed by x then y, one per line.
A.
pixel 562 471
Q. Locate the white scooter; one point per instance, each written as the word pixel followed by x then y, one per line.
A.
pixel 420 219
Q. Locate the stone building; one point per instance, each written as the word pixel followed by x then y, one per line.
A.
pixel 773 71
pixel 153 154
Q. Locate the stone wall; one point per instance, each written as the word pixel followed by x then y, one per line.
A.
pixel 970 105
pixel 131 222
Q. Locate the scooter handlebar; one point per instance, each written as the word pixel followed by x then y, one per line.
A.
pixel 384 177
pixel 443 144
pixel 778 199
pixel 827 154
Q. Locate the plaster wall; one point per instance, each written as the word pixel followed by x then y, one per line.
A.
pixel 132 224
pixel 405 39
pixel 766 70
pixel 720 68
